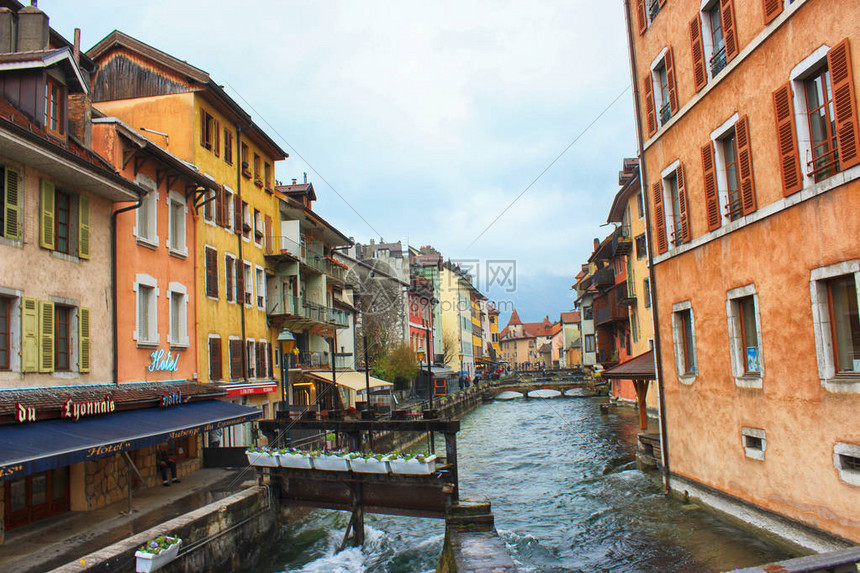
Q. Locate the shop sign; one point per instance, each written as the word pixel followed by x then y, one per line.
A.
pixel 251 390
pixel 6 471
pixel 24 413
pixel 171 399
pixel 93 407
pixel 100 451
pixel 162 363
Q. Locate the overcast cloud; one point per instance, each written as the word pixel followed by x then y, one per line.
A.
pixel 429 118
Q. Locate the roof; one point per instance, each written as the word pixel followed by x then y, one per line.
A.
pixel 569 317
pixel 298 189
pixel 45 59
pixel 639 368
pixel 353 380
pixel 629 181
pixel 515 318
pixel 545 348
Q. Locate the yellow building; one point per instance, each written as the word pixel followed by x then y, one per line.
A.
pixel 456 311
pixel 182 109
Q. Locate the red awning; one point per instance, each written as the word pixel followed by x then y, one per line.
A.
pixel 251 388
pixel 638 368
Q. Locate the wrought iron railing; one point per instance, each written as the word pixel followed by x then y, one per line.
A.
pixel 665 113
pixel 718 61
pixel 824 165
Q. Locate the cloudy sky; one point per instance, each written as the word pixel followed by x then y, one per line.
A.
pixel 424 121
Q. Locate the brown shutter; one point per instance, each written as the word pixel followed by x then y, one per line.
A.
pixel 203 128
pixel 745 168
pixel 215 359
pixel 685 210
pixel 700 72
pixel 229 265
pixel 659 217
pixel 727 15
pixel 211 273
pixel 712 201
pixel 650 112
pixel 236 362
pixel 640 14
pixel 267 228
pixel 844 106
pixel 269 361
pixel 772 9
pixel 792 180
pixel 219 205
pixel 237 214
pixel 670 79
pixel 240 282
pixel 216 127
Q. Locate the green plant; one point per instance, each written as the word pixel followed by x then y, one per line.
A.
pixel 159 544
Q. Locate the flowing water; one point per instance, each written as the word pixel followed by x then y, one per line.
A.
pixel 566 496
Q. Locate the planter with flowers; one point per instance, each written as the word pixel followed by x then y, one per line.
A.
pixel 262 456
pixel 294 458
pixel 368 463
pixel 331 461
pixel 412 464
pixel 157 553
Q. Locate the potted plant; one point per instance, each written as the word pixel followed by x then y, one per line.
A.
pixel 368 463
pixel 331 461
pixel 294 458
pixel 412 464
pixel 156 553
pixel 261 456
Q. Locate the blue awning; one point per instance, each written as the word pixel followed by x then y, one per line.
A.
pixel 40 446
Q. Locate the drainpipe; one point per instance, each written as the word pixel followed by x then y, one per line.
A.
pixel 114 285
pixel 664 441
pixel 239 237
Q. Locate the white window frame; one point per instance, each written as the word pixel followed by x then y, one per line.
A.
pixel 250 358
pixel 798 77
pixel 147 281
pixel 667 175
pixel 209 207
pixel 248 270
pixel 230 259
pixel 14 328
pixel 258 227
pixel 847 475
pixel 720 166
pixel 656 90
pixel 231 208
pixel 678 342
pixel 843 383
pixel 149 207
pixel 743 379
pixel 754 453
pixel 177 245
pixel 247 219
pixel 261 287
pixel 707 39
pixel 180 339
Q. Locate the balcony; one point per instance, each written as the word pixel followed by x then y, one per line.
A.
pixel 299 311
pixel 625 294
pixel 309 254
pixel 312 360
pixel 334 270
pixel 606 357
pixel 604 276
pixel 611 309
pixel 622 243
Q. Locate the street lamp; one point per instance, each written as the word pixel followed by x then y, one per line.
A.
pixel 288 343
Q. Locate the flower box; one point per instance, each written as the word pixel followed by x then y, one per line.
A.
pixel 331 463
pixel 368 466
pixel 413 466
pixel 147 561
pixel 265 459
pixel 295 460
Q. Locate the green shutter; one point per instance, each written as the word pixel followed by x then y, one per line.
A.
pixel 46 336
pixel 29 335
pixel 83 227
pixel 13 209
pixel 84 339
pixel 46 237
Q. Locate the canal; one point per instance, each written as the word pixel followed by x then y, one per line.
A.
pixel 566 496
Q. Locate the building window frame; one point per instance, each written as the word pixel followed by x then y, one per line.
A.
pixel 146 218
pixel 684 338
pixel 230 277
pixel 55 112
pixel 588 343
pixel 146 311
pixel 177 332
pixel 261 287
pixel 177 235
pixel 847 473
pixel 10 330
pixel 719 139
pixel 210 270
pixel 754 442
pixel 748 371
pixel 823 329
pixel 248 276
pixel 219 361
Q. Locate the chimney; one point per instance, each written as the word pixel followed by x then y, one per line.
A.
pixel 76 51
pixel 306 177
pixel 8 36
pixel 33 31
pixel 596 243
pixel 294 181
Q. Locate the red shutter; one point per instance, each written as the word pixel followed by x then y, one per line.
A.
pixel 267 229
pixel 772 9
pixel 650 112
pixel 727 15
pixel 237 214
pixel 685 210
pixel 712 200
pixel 700 73
pixel 660 217
pixel 662 3
pixel 215 372
pixel 640 13
pixel 745 168
pixel 670 79
pixel 792 180
pixel 844 104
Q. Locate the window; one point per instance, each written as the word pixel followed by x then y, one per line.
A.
pixel 229 277
pixel 834 291
pixel 5 333
pixel 147 310
pixel 714 41
pixel 728 174
pixel 671 208
pixel 211 205
pixel 207 129
pixel 662 77
pixel 228 146
pixel 215 372
pixel 246 221
pixel 237 363
pixel 727 145
pixel 229 209
pixel 589 343
pixel 588 313
pixel 261 288
pixel 246 168
pixel 267 175
pixel 846 458
pixel 641 246
pixel 754 443
pixel 211 272
pixel 54 107
pixel 251 359
pixel 64 221
pixel 258 176
pixel 176 238
pixel 258 228
pixel 717 59
pixel 248 284
pixel 685 341
pixel 745 336
pixel 146 228
pixel 62 338
pixel 640 206
pixel 646 11
pixel 10 203
pixel 178 333
pixel 822 125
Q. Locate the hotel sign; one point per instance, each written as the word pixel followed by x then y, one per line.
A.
pixel 163 363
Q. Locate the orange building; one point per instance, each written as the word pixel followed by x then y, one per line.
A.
pixel 747 116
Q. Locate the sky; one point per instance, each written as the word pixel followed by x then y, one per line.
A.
pixel 436 123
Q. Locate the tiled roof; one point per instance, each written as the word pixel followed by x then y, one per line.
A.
pixel 639 368
pixel 515 318
pixel 570 317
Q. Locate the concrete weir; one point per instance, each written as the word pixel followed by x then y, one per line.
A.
pixel 472 544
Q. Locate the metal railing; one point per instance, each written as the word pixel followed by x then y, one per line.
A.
pixel 310 254
pixel 821 167
pixel 334 270
pixel 665 113
pixel 718 61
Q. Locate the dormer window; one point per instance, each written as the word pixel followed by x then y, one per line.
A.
pixel 54 98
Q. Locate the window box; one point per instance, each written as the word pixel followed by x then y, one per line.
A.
pixel 157 553
pixel 258 183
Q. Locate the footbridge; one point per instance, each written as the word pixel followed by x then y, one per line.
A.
pixel 525 386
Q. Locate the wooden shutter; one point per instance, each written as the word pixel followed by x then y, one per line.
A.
pixel 13 213
pixel 659 217
pixel 700 72
pixel 712 201
pixel 219 205
pixel 772 9
pixel 727 16
pixel 267 229
pixel 216 130
pixel 240 282
pixel 269 360
pixel 203 129
pixel 236 363
pixel 29 335
pixel 237 214
pixel 792 180
pixel 745 168
pixel 211 272
pixel 670 79
pixel 46 336
pixel 229 264
pixel 215 359
pixel 641 16
pixel 46 235
pixel 662 3
pixel 83 227
pixel 844 104
pixel 84 339
pixel 685 208
pixel 650 111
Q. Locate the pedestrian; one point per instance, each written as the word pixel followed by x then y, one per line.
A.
pixel 165 462
pixel 215 438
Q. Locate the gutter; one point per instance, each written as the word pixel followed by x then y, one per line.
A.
pixel 664 441
pixel 114 283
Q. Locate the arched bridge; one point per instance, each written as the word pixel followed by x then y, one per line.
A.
pixel 526 386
